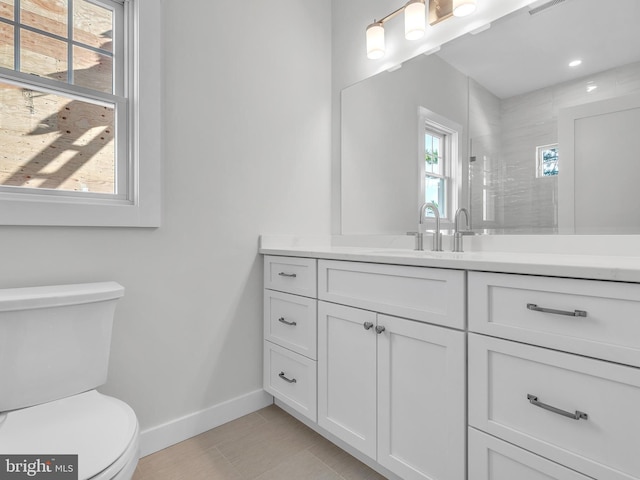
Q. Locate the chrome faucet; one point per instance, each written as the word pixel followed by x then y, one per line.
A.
pixel 437 235
pixel 458 234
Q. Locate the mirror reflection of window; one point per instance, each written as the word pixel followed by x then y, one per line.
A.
pixel 440 180
pixel 547 160
pixel 434 168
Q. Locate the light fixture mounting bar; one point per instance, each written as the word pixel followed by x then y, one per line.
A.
pixel 440 10
pixel 391 15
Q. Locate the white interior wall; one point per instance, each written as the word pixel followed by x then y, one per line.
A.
pixel 246 151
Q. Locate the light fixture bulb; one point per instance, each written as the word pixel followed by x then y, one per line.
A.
pixel 462 8
pixel 575 63
pixel 414 19
pixel 375 41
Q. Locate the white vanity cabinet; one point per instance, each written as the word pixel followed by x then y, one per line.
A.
pixel 392 387
pixel 558 378
pixel 448 374
pixel 290 317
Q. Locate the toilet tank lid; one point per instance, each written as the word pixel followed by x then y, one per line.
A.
pixel 26 298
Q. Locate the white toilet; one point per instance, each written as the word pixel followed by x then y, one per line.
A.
pixel 54 352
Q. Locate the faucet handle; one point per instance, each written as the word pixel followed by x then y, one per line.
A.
pixel 419 245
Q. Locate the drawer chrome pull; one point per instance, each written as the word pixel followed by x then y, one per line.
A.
pixel 380 329
pixel 282 320
pixel 367 325
pixel 284 377
pixel 575 313
pixel 284 274
pixel 576 416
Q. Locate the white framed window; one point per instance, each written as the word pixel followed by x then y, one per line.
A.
pixel 439 159
pixel 79 140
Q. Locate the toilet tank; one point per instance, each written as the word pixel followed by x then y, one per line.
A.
pixel 54 341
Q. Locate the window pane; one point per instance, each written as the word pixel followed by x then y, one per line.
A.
pixel 6 9
pixel 434 192
pixel 92 70
pixel 43 55
pixel 433 154
pixel 6 46
pixel 92 25
pixel 50 16
pixel 50 141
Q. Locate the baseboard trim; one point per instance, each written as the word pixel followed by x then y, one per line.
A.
pixel 162 436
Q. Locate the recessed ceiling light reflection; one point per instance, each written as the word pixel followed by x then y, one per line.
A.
pixel 575 63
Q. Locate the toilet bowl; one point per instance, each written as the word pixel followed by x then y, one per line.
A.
pixel 54 342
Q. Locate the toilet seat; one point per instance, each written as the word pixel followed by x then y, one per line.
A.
pixel 101 430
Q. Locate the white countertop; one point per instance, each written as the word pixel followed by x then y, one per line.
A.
pixel 397 251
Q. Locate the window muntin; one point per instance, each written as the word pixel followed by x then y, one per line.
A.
pixel 64 117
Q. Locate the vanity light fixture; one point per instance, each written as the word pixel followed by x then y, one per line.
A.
pixel 415 20
pixel 375 41
pixel 415 25
pixel 462 8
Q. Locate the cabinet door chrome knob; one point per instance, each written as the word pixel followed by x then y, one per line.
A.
pixel 380 329
pixel 368 325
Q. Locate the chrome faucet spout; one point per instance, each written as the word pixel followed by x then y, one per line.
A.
pixel 457 218
pixel 458 234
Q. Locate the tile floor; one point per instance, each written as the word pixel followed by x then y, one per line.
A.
pixel 265 445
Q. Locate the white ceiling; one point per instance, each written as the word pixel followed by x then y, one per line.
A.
pixel 523 52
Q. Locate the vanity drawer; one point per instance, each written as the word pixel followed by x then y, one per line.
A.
pixel 291 378
pixel 609 329
pixel 290 274
pixel 430 295
pixel 503 375
pixel 493 459
pixel 290 321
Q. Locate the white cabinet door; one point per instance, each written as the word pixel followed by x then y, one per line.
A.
pixel 421 400
pixel 347 375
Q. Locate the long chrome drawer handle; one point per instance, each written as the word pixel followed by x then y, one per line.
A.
pixel 282 320
pixel 284 377
pixel 575 313
pixel 576 416
pixel 284 274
